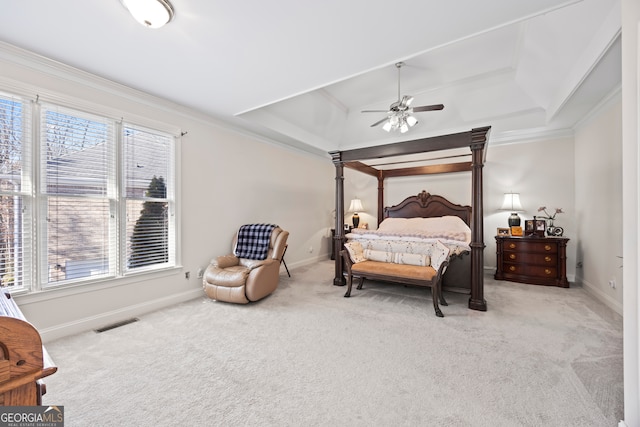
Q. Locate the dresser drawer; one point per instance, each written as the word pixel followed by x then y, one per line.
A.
pixel 550 259
pixel 524 246
pixel 531 270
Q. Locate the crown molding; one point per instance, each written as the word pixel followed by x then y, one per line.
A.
pixel 33 61
pixel 529 135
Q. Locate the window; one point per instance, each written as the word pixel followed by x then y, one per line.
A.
pixel 15 189
pixel 148 179
pixel 77 203
pixel 103 203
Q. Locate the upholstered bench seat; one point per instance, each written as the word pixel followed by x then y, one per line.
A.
pixel 412 269
pixel 400 271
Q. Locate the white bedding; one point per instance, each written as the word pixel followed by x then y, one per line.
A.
pixel 415 235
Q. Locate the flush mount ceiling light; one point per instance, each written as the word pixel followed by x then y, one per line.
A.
pixel 150 13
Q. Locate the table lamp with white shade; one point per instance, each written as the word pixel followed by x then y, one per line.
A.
pixel 512 203
pixel 355 207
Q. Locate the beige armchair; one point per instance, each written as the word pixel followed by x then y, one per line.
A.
pixel 240 280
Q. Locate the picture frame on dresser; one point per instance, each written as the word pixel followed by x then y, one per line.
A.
pixel 540 225
pixel 503 232
pixel 529 227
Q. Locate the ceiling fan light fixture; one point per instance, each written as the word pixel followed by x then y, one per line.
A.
pixel 150 13
pixel 399 114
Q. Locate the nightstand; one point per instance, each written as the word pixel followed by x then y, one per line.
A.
pixel 533 260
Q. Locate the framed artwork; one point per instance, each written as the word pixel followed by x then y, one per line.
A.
pixel 529 227
pixel 540 225
pixel 516 230
pixel 503 232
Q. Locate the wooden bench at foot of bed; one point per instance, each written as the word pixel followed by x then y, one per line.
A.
pixel 397 273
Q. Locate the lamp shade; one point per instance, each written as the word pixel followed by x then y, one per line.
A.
pixel 150 13
pixel 511 202
pixel 356 206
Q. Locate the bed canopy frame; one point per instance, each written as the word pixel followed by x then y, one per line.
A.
pixel 475 139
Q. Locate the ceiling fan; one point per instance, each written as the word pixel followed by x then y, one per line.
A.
pixel 399 114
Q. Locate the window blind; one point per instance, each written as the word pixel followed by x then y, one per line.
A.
pixel 78 186
pixel 148 182
pixel 15 186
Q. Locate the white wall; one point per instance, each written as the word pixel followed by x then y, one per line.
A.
pixel 543 173
pixel 226 179
pixel 631 196
pixel 598 162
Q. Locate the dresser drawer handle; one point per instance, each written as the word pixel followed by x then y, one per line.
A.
pixel 512 256
pixel 547 247
pixel 547 271
pixel 547 258
pixel 512 268
pixel 512 245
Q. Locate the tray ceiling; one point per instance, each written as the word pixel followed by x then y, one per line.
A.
pixel 299 73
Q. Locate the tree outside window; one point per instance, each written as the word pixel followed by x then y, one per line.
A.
pixel 149 237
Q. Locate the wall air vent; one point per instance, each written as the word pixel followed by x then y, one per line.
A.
pixel 117 325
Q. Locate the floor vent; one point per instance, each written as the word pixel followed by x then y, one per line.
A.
pixel 117 325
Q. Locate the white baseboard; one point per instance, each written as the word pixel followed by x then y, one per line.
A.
pixel 307 261
pixel 102 319
pixel 622 424
pixel 601 296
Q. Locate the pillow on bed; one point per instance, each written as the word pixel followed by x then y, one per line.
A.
pixel 356 253
pixel 443 225
pixel 393 224
pixel 380 256
pixel 421 260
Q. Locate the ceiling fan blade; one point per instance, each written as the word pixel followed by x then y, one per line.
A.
pixel 405 102
pixel 380 121
pixel 428 108
pixel 374 111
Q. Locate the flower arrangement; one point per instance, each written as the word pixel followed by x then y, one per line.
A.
pixel 549 216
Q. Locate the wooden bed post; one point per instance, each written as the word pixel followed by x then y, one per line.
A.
pixel 380 197
pixel 478 141
pixel 338 236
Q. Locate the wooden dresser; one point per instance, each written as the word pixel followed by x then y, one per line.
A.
pixel 534 260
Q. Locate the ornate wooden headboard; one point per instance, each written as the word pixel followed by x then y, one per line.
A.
pixel 426 205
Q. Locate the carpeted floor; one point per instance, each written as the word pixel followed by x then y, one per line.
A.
pixel 540 356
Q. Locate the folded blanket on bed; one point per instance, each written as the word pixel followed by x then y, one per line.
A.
pixel 456 236
pixel 253 241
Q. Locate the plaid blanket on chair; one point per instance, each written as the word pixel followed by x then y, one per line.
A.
pixel 253 241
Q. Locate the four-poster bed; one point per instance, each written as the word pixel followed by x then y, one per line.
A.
pixel 475 140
